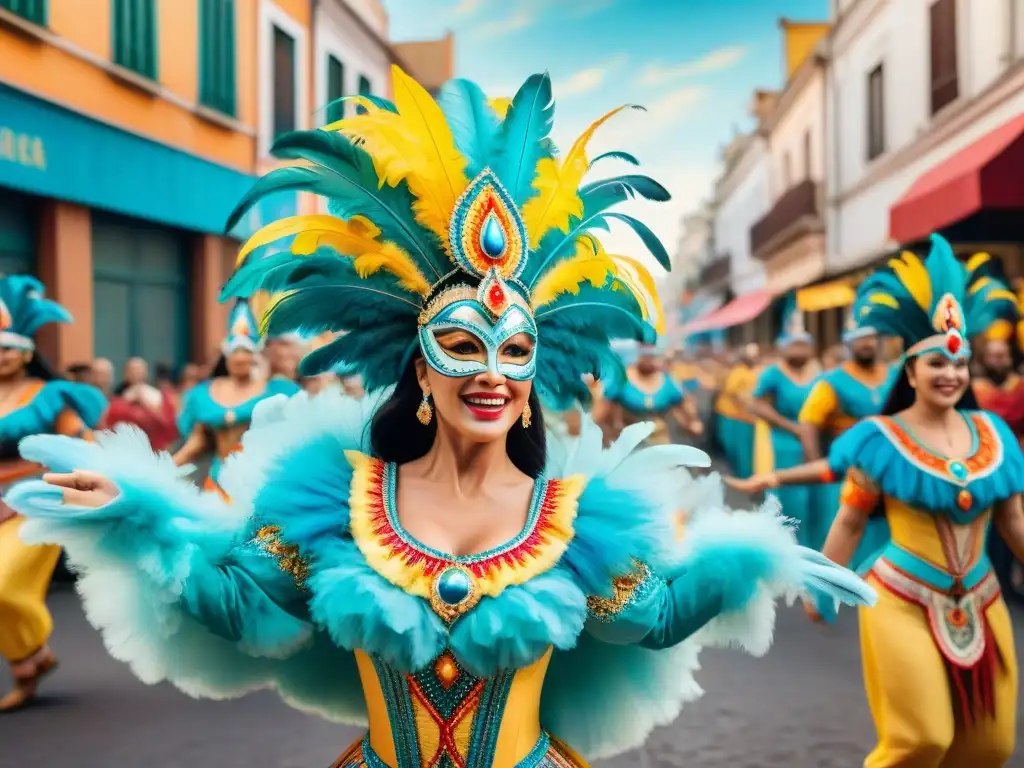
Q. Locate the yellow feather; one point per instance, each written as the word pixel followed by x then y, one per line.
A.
pixel 501 105
pixel 568 275
pixel 396 261
pixel 980 285
pixel 1002 295
pixel 395 156
pixel 440 178
pixel 558 187
pixel 352 238
pixel 884 299
pixel 275 300
pixel 1001 330
pixel 292 225
pixel 977 260
pixel 913 274
pixel 638 279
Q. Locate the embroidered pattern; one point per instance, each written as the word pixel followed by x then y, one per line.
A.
pixel 268 539
pixel 987 457
pixel 627 590
pixel 453 585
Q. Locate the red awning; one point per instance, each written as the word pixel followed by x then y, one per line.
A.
pixel 985 174
pixel 740 310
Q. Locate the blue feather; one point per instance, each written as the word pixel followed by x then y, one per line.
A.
pixel 646 235
pixel 24 297
pixel 526 125
pixel 473 121
pixel 618 155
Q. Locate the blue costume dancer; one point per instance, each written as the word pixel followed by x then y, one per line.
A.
pixel 778 396
pixel 466 285
pixel 211 425
pixel 839 399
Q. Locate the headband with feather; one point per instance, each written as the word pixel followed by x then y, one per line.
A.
pixel 24 310
pixel 933 303
pixel 452 214
pixel 243 331
pixel 794 330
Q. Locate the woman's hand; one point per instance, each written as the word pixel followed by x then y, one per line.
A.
pixel 84 489
pixel 753 484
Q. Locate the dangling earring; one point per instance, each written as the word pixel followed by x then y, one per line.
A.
pixel 425 412
pixel 527 416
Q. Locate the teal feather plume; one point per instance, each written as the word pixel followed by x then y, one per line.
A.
pixel 520 142
pixel 617 155
pixel 27 305
pixel 474 123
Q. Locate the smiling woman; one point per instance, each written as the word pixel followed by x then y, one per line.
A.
pixel 446 576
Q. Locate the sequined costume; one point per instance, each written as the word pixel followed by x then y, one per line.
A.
pixel 39 407
pixel 580 630
pixel 200 411
pixel 938 653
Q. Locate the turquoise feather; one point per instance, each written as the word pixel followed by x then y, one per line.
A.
pixel 474 123
pixel 527 123
pixel 29 310
pixel 624 156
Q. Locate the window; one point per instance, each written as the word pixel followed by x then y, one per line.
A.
pixel 33 10
pixel 365 89
pixel 284 83
pixel 945 83
pixel 335 89
pixel 807 155
pixel 876 112
pixel 134 35
pixel 217 55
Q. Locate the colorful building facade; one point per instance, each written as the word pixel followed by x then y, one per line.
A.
pixel 130 128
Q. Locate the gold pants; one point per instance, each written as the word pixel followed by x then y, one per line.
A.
pixel 909 692
pixel 25 572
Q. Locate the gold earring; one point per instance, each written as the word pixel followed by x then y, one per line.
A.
pixel 425 412
pixel 527 416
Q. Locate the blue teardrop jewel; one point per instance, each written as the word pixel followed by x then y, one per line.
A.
pixel 958 470
pixel 453 586
pixel 492 238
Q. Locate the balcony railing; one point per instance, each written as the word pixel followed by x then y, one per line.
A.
pixel 794 214
pixel 715 271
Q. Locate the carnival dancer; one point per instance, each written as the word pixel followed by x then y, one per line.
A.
pixel 734 417
pixel 780 393
pixel 33 400
pixel 647 393
pixel 425 544
pixel 217 412
pixel 938 653
pixel 840 398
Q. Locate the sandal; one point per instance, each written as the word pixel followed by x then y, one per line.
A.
pixel 26 686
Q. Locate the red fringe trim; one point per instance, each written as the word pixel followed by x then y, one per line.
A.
pixel 973 688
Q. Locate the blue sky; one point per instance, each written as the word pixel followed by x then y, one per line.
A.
pixel 692 63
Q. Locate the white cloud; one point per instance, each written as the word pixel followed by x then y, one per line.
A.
pixel 588 79
pixel 718 59
pixel 466 8
pixel 495 28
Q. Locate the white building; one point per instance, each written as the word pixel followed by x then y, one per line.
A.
pixel 913 83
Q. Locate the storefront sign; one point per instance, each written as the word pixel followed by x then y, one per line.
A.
pixel 49 151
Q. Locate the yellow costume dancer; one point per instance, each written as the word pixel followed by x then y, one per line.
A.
pixel 31 402
pixel 940 668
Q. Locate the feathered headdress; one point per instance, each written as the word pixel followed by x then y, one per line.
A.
pixel 982 272
pixel 243 331
pixel 455 214
pixel 926 302
pixel 24 310
pixel 793 328
pixel 855 329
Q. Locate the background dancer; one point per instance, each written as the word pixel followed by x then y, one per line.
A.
pixel 33 400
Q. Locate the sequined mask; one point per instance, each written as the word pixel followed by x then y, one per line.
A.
pixel 488 242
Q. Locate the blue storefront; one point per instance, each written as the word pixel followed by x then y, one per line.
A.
pixel 148 204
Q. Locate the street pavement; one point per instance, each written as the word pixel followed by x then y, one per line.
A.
pixel 801 706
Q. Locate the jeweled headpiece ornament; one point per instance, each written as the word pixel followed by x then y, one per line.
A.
pixel 453 215
pixel 933 303
pixel 243 331
pixel 24 309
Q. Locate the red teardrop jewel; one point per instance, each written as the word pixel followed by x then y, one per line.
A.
pixel 495 295
pixel 953 343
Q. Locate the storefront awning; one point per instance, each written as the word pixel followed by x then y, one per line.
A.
pixel 740 310
pixel 817 298
pixel 985 174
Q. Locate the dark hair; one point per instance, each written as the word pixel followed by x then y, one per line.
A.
pixel 164 372
pixel 902 395
pixel 220 370
pixel 396 435
pixel 39 368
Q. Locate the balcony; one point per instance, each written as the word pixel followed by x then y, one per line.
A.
pixel 715 271
pixel 793 216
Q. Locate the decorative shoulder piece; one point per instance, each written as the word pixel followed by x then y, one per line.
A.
pixel 627 590
pixel 268 540
pixel 448 217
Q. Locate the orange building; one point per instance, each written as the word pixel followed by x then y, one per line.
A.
pixel 128 131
